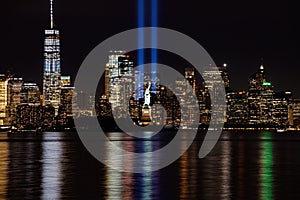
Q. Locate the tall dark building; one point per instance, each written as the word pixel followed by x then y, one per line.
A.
pixel 225 76
pixel 237 108
pixel 189 74
pixel 257 79
pixel 52 71
pixel 281 108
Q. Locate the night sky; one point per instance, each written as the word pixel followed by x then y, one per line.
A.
pixel 239 33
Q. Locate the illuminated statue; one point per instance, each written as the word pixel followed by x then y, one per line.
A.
pixel 147 97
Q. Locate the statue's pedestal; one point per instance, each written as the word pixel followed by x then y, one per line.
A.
pixel 146 116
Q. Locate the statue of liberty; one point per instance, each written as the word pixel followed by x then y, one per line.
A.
pixel 146 110
pixel 147 97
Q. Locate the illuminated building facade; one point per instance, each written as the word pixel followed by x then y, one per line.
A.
pixel 260 99
pixel 126 74
pixel 213 85
pixel 52 70
pixel 3 98
pixel 113 75
pixel 35 116
pixel 281 108
pixel 295 118
pixel 266 104
pixel 30 93
pixel 187 103
pixel 29 116
pixel 119 81
pixel 189 74
pixel 65 109
pixel 237 108
pixel 14 87
pixel 65 81
pixel 225 76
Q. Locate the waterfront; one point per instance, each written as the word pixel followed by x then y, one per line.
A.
pixel 243 165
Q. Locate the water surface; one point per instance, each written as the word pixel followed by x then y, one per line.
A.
pixel 243 165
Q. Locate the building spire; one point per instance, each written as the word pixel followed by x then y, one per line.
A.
pixel 51 14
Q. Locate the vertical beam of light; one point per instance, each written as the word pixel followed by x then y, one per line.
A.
pixel 154 43
pixel 141 24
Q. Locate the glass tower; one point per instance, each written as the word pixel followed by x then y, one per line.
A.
pixel 52 72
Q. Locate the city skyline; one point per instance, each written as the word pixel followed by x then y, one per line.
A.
pixel 266 30
pixel 263 106
pixel 217 119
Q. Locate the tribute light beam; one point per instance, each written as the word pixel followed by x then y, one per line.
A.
pixel 141 24
pixel 141 53
pixel 154 43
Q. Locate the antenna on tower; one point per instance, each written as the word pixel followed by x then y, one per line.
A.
pixel 51 14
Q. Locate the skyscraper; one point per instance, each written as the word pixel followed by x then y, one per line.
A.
pixel 30 94
pixel 214 85
pixel 3 98
pixel 237 108
pixel 189 74
pixel 52 71
pixel 225 76
pixel 14 87
pixel 112 69
pixel 121 82
pixel 260 99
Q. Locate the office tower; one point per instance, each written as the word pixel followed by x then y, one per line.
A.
pixel 3 98
pixel 65 81
pixel 254 106
pixel 211 76
pixel 14 86
pixel 225 76
pixel 126 75
pixel 281 108
pixel 214 84
pixel 113 63
pixel 65 109
pixel 256 82
pixel 30 94
pixel 113 75
pixel 185 99
pixel 237 108
pixel 289 96
pixel 189 75
pixel 266 104
pixel 295 106
pixel 52 71
pixel 257 79
pixel 260 99
pixel 66 100
pixel 121 82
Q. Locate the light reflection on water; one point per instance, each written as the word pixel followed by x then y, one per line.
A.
pixel 51 170
pixel 241 166
pixel 266 168
pixel 3 168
